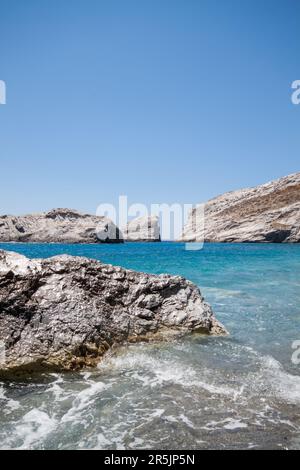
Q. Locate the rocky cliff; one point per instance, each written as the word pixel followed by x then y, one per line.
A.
pixel 267 213
pixel 142 229
pixel 58 226
pixel 66 312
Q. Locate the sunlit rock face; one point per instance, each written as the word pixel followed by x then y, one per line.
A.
pixel 267 213
pixel 59 226
pixel 65 312
pixel 142 229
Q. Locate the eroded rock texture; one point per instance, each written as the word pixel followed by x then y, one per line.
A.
pixel 142 229
pixel 66 312
pixel 59 226
pixel 267 213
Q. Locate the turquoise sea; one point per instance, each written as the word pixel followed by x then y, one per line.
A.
pixel 241 391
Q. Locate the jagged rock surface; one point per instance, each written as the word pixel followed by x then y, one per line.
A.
pixel 142 229
pixel 58 226
pixel 267 213
pixel 65 312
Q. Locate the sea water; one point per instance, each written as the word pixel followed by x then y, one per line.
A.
pixel 240 391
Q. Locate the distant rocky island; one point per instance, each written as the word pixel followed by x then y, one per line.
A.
pixel 66 312
pixel 266 213
pixel 71 226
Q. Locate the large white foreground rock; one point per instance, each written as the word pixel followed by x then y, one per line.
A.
pixel 65 312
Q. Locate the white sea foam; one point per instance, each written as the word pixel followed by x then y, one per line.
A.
pixel 10 405
pixel 186 421
pixel 233 424
pixel 33 429
pixel 84 399
pixel 284 385
pixel 163 371
pixel 249 398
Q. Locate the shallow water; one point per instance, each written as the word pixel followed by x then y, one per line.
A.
pixel 242 391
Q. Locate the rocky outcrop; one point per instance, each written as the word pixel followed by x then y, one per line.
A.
pixel 267 213
pixel 142 229
pixel 65 312
pixel 58 226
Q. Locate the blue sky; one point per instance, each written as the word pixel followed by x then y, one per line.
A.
pixel 161 100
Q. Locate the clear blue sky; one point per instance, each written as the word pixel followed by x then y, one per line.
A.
pixel 162 100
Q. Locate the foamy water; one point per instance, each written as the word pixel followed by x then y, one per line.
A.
pixel 242 391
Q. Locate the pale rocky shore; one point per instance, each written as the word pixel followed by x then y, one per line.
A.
pixel 142 229
pixel 66 312
pixel 267 213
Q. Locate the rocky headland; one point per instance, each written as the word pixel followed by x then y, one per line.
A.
pixel 71 226
pixel 267 213
pixel 58 226
pixel 64 313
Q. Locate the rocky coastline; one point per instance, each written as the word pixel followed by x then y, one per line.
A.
pixel 58 226
pixel 68 226
pixel 269 213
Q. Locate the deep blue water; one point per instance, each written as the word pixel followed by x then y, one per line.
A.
pixel 240 391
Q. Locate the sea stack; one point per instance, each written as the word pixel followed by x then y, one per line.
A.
pixel 142 229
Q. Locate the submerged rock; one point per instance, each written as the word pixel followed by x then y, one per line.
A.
pixel 65 312
pixel 267 213
pixel 59 226
pixel 142 229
